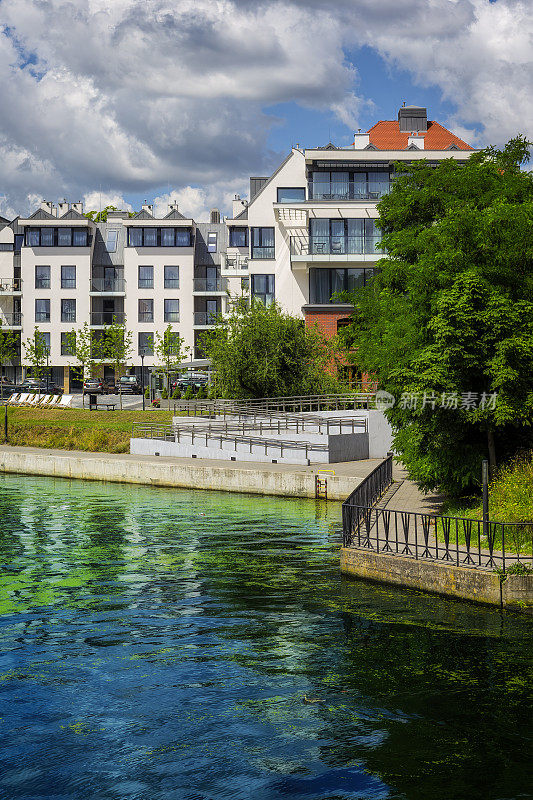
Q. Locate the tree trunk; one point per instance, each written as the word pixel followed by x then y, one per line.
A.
pixel 492 452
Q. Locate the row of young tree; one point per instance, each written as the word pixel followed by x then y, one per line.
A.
pixel 90 351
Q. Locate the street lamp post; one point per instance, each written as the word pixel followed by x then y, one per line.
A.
pixel 142 375
pixel 47 369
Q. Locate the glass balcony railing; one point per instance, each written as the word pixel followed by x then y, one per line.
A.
pixel 108 285
pixel 9 285
pixel 108 318
pixel 205 317
pixel 349 190
pixel 307 245
pixel 13 320
pixel 210 285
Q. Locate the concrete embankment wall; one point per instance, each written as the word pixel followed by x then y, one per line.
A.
pixel 170 472
pixel 481 586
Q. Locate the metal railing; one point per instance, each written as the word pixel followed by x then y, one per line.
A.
pixel 309 245
pixel 108 285
pixel 275 405
pixel 297 423
pixel 372 487
pixel 108 317
pixel 206 317
pixel 11 320
pixel 210 285
pixel 349 190
pixel 235 263
pixel 10 285
pixel 455 540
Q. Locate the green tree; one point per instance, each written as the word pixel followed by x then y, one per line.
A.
pixel 451 311
pixel 8 350
pixel 260 351
pixel 87 350
pixel 116 348
pixel 169 350
pixel 101 216
pixel 37 352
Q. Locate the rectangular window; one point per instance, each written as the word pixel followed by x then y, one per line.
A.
pixel 42 277
pixel 19 241
pixel 263 243
pixel 42 310
pixel 111 240
pixel 47 237
pixel 263 287
pixel 146 310
pixel 172 310
pixel 64 237
pixel 211 242
pixel 146 344
pixel 293 194
pixel 135 237
pixel 68 277
pixel 146 277
pixel 238 237
pixel 183 237
pixel 46 339
pixel 79 237
pixel 65 347
pixel 150 237
pixel 33 237
pixel 68 311
pixel 172 277
pixel 325 283
pixel 167 237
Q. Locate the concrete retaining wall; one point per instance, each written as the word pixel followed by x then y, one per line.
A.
pixel 169 472
pixel 480 586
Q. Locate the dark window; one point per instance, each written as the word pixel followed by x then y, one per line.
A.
pixel 68 277
pixel 33 237
pixel 146 277
pixel 338 236
pixel 47 237
pixel 146 343
pixel 146 310
pixel 263 287
pixel 238 237
pixel 183 237
pixel 135 237
pixel 66 350
pixel 325 283
pixel 42 277
pixel 42 310
pixel 19 241
pixel 263 243
pixel 293 194
pixel 64 237
pixel 68 311
pixel 211 242
pixel 57 237
pixel 172 277
pixel 172 310
pixel 168 237
pixel 46 339
pixel 150 237
pixel 353 184
pixel 159 237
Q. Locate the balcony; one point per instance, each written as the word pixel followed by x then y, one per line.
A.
pixel 210 285
pixel 234 265
pixel 10 286
pixel 307 248
pixel 107 286
pixel 349 190
pixel 12 320
pixel 101 318
pixel 205 319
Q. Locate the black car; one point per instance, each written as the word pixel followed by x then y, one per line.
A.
pixel 128 384
pixel 194 380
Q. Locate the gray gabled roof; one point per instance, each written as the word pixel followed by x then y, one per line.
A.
pixel 41 214
pixel 72 214
pixel 174 214
pixel 143 215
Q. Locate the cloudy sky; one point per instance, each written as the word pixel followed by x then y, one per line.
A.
pixel 125 100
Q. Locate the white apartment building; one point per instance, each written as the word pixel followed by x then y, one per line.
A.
pixel 305 233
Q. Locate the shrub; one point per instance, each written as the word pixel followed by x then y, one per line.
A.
pixel 164 394
pixel 176 394
pixel 189 393
pixel 201 393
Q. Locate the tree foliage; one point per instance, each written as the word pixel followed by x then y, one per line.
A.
pixel 169 350
pixel 116 349
pixel 8 350
pixel 260 351
pixel 87 350
pixel 451 310
pixel 37 352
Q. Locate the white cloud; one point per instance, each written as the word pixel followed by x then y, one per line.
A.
pixel 96 201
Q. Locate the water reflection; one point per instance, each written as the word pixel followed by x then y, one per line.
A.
pixel 173 644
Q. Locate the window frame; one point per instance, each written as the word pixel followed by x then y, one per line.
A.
pixel 140 232
pixel 291 188
pixel 212 248
pixel 167 315
pixel 42 316
pixel 147 283
pixel 166 280
pixel 68 283
pixel 65 314
pixel 141 315
pixel 235 229
pixel 147 351
pixel 47 281
pixel 259 245
pixel 270 292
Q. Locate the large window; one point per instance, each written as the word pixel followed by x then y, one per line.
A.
pixel 294 194
pixel 263 243
pixel 263 287
pixel 68 311
pixel 238 237
pixel 42 310
pixel 356 183
pixel 146 343
pixel 146 310
pixel 325 283
pixel 159 237
pixel 57 237
pixel 68 277
pixel 338 236
pixel 172 277
pixel 146 277
pixel 172 310
pixel 42 277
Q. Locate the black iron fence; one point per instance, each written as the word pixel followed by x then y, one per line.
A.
pixel 371 489
pixel 455 540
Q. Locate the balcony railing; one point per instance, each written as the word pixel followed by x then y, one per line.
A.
pixel 308 245
pixel 108 317
pixel 12 320
pixel 351 190
pixel 108 285
pixel 205 317
pixel 8 285
pixel 210 285
pixel 235 263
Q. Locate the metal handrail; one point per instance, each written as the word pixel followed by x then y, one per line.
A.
pixel 278 423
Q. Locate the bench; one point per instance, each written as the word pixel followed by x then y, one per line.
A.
pixel 109 406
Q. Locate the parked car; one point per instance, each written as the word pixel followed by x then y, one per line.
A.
pixel 37 385
pixel 190 379
pixel 128 384
pixel 96 386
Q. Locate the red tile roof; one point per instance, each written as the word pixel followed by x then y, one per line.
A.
pixel 385 135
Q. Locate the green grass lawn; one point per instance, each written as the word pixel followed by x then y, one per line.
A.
pixel 77 429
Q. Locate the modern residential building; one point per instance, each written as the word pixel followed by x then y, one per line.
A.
pixel 304 234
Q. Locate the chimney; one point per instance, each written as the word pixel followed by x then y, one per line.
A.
pixel 172 206
pixel 147 207
pixel 62 208
pixel 418 141
pixel 413 119
pixel 361 140
pixel 77 207
pixel 214 216
pixel 48 206
pixel 237 205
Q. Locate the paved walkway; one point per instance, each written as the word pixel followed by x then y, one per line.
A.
pixel 404 495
